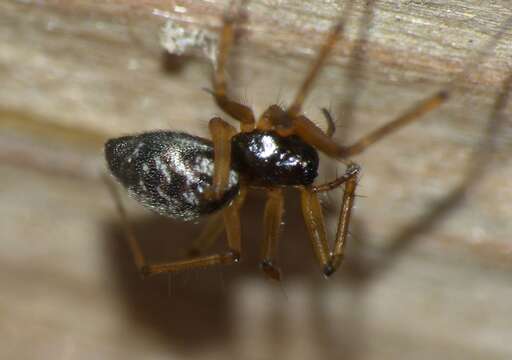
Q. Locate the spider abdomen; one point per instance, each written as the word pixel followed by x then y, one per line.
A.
pixel 268 159
pixel 168 172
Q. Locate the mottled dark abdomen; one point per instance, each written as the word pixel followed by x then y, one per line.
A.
pixel 268 159
pixel 168 172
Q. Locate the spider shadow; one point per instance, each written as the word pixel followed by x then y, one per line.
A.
pixel 194 309
pixel 366 270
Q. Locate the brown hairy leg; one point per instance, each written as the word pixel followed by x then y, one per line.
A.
pixel 221 133
pixel 313 217
pixel 272 225
pixel 236 110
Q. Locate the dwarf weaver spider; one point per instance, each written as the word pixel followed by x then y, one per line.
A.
pixel 184 177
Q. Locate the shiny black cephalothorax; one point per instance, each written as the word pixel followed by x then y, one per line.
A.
pixel 267 159
pixel 168 172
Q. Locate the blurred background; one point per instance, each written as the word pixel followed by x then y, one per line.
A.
pixel 428 264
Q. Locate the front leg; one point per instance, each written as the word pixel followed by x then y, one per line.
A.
pixel 238 111
pixel 314 136
pixel 350 179
pixel 221 133
pixel 313 217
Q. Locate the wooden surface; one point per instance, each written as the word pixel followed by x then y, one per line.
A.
pixel 428 269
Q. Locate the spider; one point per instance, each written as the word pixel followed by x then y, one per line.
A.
pixel 185 177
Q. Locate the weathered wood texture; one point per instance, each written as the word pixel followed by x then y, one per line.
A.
pixel 73 73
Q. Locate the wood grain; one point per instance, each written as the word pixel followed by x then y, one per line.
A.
pixel 428 269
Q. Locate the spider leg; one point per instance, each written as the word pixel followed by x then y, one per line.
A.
pixel 313 217
pixel 129 234
pixel 352 170
pixel 210 233
pixel 331 125
pixel 407 118
pixel 296 106
pixel 313 135
pixel 213 229
pixel 350 180
pixel 231 219
pixel 272 224
pixel 236 110
pixel 221 133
